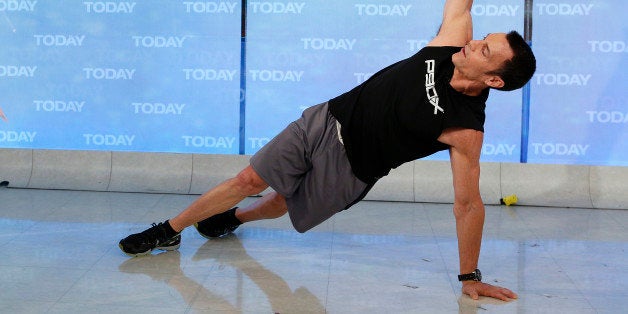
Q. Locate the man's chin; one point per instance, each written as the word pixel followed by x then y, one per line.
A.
pixel 457 57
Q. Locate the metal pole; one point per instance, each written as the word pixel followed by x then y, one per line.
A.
pixel 525 110
pixel 242 129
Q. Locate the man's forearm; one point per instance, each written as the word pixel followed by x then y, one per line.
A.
pixel 456 7
pixel 469 226
pixel 457 26
pixel 469 223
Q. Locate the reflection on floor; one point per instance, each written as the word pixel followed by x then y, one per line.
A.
pixel 59 254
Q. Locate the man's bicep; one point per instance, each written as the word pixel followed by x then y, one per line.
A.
pixel 466 176
pixel 465 166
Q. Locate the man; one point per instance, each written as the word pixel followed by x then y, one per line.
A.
pixel 329 159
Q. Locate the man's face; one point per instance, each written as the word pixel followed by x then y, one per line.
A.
pixel 479 57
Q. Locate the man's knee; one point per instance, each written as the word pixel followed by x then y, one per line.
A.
pixel 250 182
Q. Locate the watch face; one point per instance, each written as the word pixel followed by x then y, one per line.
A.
pixel 478 275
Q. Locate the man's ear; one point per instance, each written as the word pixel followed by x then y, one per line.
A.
pixel 494 81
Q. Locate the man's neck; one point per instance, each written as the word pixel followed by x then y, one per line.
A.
pixel 465 85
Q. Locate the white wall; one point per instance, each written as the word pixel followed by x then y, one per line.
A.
pixel 419 181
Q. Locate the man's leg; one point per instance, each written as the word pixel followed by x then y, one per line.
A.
pixel 165 236
pixel 271 205
pixel 220 199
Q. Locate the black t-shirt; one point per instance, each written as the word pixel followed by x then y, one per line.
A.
pixel 397 115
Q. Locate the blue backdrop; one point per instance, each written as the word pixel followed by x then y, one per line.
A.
pixel 177 76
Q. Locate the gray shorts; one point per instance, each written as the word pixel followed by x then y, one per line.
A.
pixel 308 165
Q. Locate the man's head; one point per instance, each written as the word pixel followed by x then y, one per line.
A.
pixel 501 61
pixel 517 71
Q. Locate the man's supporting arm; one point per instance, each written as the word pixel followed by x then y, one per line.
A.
pixel 466 146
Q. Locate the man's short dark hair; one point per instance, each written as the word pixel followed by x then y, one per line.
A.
pixel 517 71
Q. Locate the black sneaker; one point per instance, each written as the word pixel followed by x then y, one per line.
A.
pixel 152 238
pixel 218 225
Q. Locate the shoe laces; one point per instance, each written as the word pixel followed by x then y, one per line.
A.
pixel 155 232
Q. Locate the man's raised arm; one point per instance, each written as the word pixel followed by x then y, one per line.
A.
pixel 457 26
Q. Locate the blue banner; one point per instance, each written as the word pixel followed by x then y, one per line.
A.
pixel 579 99
pixel 170 76
pixel 154 76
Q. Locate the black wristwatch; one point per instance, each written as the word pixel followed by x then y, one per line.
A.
pixel 475 276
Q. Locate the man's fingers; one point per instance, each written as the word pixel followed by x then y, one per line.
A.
pixel 474 295
pixel 501 293
pixel 510 294
pixel 507 294
pixel 474 291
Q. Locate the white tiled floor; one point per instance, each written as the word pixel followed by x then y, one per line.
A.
pixel 59 254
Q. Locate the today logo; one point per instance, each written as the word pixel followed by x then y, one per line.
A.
pixel 209 7
pixel 328 43
pixel 159 41
pixel 495 10
pixel 564 9
pixel 108 74
pixel 14 5
pixel 615 117
pixel 276 75
pixel 157 108
pixel 17 71
pixel 59 105
pixel 208 141
pixel 210 74
pixel 608 46
pixel 109 7
pixel 17 137
pixel 109 139
pixel 498 149
pixel 59 40
pixel 383 9
pixel 563 79
pixel 277 7
pixel 560 149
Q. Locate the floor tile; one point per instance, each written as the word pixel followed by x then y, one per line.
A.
pixel 59 254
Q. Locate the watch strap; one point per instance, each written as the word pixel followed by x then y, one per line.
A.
pixel 475 276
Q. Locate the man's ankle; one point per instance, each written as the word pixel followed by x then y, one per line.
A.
pixel 170 232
